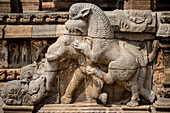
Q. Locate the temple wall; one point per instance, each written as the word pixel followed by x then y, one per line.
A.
pixel 29 27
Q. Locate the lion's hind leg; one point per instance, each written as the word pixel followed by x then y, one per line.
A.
pixel 134 87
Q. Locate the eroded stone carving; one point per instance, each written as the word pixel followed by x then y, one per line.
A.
pixel 163 25
pixel 37 48
pixel 14 50
pixel 29 90
pixel 133 20
pixel 3 54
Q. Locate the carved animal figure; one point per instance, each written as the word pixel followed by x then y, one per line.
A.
pixel 29 90
pixel 125 62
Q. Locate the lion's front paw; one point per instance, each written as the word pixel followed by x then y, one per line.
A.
pixel 132 104
pixel 50 57
pixel 90 70
pixel 76 45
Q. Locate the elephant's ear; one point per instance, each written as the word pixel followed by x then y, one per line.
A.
pixel 85 12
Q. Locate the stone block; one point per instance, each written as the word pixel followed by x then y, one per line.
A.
pixel 137 4
pixel 18 31
pixel 5 8
pixel 48 5
pixel 30 5
pixel 1 31
pixel 33 6
pixel 44 31
pixel 29 1
pixel 60 30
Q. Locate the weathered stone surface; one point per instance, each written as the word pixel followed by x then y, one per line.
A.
pixel 5 6
pixel 30 5
pixel 134 36
pixel 92 107
pixel 14 109
pixel 3 54
pixel 19 31
pixel 44 31
pixel 137 4
pixel 60 30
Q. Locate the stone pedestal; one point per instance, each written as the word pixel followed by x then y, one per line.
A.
pixel 17 109
pixel 91 108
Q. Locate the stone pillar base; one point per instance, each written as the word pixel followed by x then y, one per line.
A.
pixel 92 108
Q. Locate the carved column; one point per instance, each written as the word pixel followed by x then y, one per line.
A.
pixel 162 67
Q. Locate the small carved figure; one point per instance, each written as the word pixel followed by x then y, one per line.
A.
pixel 160 60
pixel 14 53
pixel 39 45
pixel 25 53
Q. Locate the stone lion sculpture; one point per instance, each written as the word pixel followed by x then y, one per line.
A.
pixel 125 62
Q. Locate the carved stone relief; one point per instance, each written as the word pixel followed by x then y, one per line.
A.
pixel 19 53
pixel 163 25
pixel 88 61
pixel 132 20
pixel 37 49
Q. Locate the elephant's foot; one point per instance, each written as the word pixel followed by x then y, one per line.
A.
pixel 152 96
pixel 103 98
pixel 132 103
pixel 66 100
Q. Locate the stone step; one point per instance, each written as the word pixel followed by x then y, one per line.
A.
pixel 92 108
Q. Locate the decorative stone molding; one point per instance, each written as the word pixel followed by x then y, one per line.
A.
pixel 33 18
pixel 9 74
pixel 133 20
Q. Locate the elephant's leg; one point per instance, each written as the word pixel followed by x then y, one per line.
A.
pixel 75 82
pixel 135 91
pixel 97 87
